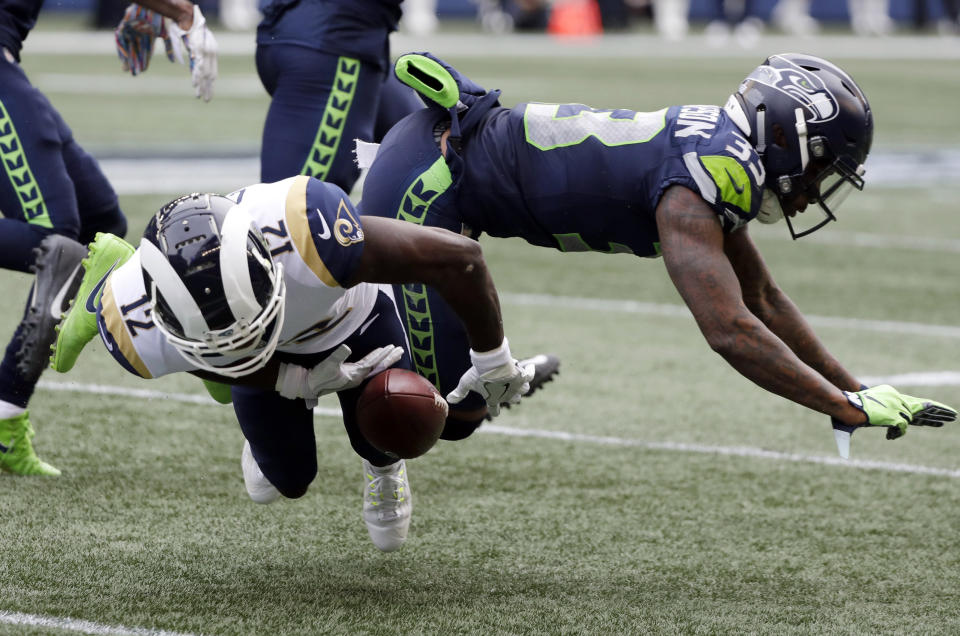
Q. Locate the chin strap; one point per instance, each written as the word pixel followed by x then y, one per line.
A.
pixel 761 131
pixel 802 135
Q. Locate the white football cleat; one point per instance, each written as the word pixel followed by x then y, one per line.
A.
pixel 258 486
pixel 387 504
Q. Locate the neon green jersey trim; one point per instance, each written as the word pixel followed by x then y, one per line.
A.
pixel 731 179
pixel 574 242
pixel 423 191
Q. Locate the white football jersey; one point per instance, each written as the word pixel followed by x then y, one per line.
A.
pixel 311 228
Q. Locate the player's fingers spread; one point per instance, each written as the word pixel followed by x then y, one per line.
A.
pixel 937 414
pixel 945 411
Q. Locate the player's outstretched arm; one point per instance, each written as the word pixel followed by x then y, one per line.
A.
pixel 397 252
pixel 693 250
pixel 778 312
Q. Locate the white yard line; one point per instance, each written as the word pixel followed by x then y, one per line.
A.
pixel 680 311
pixel 239 86
pixel 736 451
pixel 148 394
pixel 76 625
pixel 536 46
pixel 923 378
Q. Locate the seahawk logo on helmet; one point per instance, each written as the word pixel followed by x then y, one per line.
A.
pixel 218 297
pixel 802 85
pixel 812 127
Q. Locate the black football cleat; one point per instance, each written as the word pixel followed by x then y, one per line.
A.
pixel 58 276
pixel 545 367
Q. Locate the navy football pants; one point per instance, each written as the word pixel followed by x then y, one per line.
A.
pixel 49 184
pixel 280 431
pixel 320 104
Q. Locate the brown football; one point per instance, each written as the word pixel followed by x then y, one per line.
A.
pixel 401 413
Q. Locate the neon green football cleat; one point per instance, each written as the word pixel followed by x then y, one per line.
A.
pixel 79 325
pixel 16 451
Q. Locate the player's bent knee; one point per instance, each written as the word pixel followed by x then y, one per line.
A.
pixel 293 486
pixel 294 492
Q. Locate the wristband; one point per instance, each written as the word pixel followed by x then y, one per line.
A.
pixel 493 359
pixel 291 378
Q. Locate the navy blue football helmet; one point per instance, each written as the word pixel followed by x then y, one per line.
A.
pixel 217 295
pixel 812 127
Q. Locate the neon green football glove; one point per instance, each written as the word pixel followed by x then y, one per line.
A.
pixel 885 406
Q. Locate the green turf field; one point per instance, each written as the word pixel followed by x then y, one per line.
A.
pixel 650 489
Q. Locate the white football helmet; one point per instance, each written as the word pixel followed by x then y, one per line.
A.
pixel 217 295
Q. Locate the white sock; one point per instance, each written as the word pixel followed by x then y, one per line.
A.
pixel 8 410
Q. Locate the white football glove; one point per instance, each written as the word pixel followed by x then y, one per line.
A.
pixel 333 374
pixel 496 376
pixel 201 46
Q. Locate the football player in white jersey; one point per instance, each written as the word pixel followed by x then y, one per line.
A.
pixel 282 292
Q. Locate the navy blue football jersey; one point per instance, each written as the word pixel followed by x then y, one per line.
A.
pixel 580 179
pixel 17 18
pixel 355 28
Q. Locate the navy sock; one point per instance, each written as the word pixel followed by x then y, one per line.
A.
pixel 17 240
pixel 14 388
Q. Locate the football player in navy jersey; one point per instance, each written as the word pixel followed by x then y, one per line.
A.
pixel 679 183
pixel 51 191
pixel 326 66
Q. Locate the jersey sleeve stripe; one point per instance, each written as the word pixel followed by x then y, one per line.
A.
pixel 300 234
pixel 708 189
pixel 118 331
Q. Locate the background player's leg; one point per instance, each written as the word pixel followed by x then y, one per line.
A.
pixel 320 104
pixel 97 202
pixel 37 198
